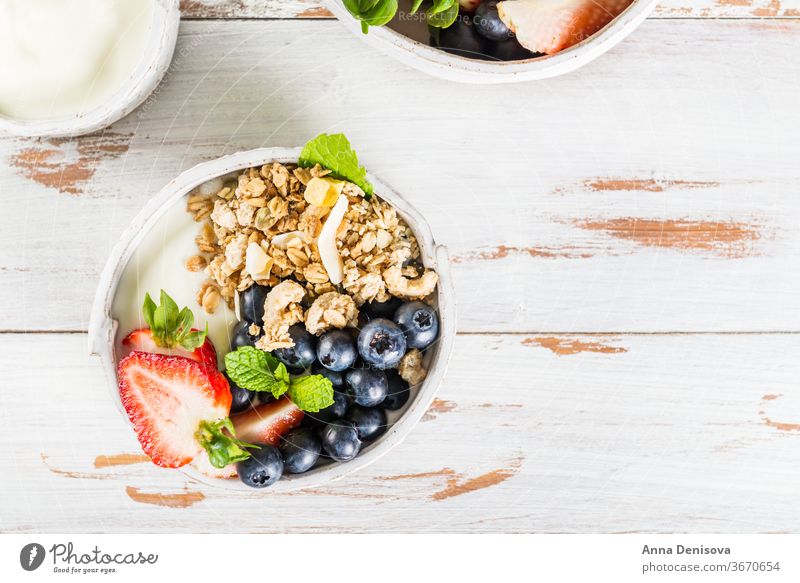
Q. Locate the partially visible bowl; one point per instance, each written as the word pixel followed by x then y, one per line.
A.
pixel 103 328
pixel 139 85
pixel 426 58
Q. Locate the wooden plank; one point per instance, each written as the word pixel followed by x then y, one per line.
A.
pixel 316 9
pixel 654 433
pixel 647 192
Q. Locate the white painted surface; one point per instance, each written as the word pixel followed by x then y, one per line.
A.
pixel 681 124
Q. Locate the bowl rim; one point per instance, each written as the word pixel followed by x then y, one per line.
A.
pixel 134 91
pixel 456 68
pixel 103 328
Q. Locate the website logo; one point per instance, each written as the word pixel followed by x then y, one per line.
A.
pixel 31 556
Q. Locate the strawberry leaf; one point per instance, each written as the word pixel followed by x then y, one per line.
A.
pixel 219 440
pixel 170 325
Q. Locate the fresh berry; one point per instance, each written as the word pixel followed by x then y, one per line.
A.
pixel 340 440
pixel 241 335
pixel 167 398
pixel 304 352
pixel 419 322
pixel 241 399
pixel 251 303
pixel 203 465
pixel 398 391
pixel 382 309
pixel 263 468
pixel 367 386
pixel 300 448
pixel 381 343
pixel 325 415
pixel 335 377
pixel 469 5
pixel 511 50
pixel 267 423
pixel 487 22
pixel 143 341
pixel 550 27
pixel 461 39
pixel 370 422
pixel 336 350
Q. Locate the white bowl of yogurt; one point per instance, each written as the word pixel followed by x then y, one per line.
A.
pixel 71 67
pixel 151 254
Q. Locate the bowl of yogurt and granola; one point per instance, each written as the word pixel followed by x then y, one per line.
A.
pixel 274 319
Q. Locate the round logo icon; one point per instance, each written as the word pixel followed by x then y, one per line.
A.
pixel 31 556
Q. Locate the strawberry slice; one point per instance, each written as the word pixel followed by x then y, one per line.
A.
pixel 550 26
pixel 267 423
pixel 177 409
pixel 142 340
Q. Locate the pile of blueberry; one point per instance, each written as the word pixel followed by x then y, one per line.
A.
pixel 360 364
pixel 481 36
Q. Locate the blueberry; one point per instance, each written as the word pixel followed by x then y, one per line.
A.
pixel 336 350
pixel 370 422
pixel 329 413
pixel 419 322
pixel 335 377
pixel 381 343
pixel 251 303
pixel 461 39
pixel 511 50
pixel 304 352
pixel 398 392
pixel 367 386
pixel 241 399
pixel 241 335
pixel 382 309
pixel 487 22
pixel 263 468
pixel 300 448
pixel 340 440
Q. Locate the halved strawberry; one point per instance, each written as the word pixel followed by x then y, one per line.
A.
pixel 176 408
pixel 550 26
pixel 203 465
pixel 142 340
pixel 267 423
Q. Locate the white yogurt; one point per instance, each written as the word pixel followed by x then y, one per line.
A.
pixel 60 58
pixel 159 263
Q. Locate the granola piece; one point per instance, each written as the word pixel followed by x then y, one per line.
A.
pixel 281 309
pixel 310 222
pixel 208 297
pixel 410 368
pixel 223 215
pixel 331 310
pixel 245 214
pixel 409 289
pixel 196 263
pixel 235 252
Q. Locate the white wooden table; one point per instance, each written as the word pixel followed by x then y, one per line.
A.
pixel 625 243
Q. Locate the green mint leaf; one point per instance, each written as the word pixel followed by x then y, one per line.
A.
pixel 415 6
pixel 256 370
pixel 218 438
pixel 443 13
pixel 371 12
pixel 333 151
pixel 311 393
pixel 148 309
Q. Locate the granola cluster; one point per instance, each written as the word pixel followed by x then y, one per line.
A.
pixel 263 227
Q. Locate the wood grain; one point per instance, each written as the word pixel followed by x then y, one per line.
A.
pixel 649 191
pixel 680 433
pixel 316 9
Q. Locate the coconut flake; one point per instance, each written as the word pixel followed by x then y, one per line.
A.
pixel 282 241
pixel 326 243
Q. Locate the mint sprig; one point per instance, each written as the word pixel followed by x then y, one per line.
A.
pixel 371 12
pixel 311 393
pixel 223 447
pixel 256 370
pixel 170 325
pixel 333 151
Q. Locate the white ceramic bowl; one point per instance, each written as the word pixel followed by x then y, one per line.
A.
pixel 141 83
pixel 455 68
pixel 103 328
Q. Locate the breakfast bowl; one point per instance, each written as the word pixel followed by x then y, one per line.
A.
pixel 145 64
pixel 151 253
pixel 408 38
